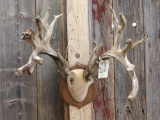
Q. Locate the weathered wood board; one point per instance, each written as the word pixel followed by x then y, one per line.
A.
pixel 152 58
pixel 18 98
pixel 78 47
pixel 104 104
pixel 136 109
pixel 50 104
pixel 77 31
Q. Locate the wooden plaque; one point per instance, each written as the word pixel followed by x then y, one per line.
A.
pixel 66 95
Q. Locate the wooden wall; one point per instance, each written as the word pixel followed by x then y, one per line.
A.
pixel 135 110
pixel 36 97
pixel 102 20
pixel 146 57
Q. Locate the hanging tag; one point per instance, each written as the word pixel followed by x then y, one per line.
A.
pixel 103 68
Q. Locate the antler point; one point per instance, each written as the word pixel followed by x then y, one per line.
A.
pixel 49 8
pixel 130 98
pixel 18 72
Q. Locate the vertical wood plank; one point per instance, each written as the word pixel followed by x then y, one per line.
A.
pixel 85 113
pixel 152 58
pixel 64 42
pixel 78 33
pixel 136 109
pixel 78 43
pixel 104 104
pixel 17 94
pixel 50 105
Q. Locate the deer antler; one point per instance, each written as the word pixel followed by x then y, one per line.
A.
pixel 40 43
pixel 65 65
pixel 93 62
pixel 121 54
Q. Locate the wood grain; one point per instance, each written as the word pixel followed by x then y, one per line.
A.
pixel 152 58
pixel 17 94
pixel 77 29
pixel 127 110
pixel 104 104
pixel 78 44
pixel 50 104
pixel 64 43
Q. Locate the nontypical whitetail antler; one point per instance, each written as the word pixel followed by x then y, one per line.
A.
pixel 121 54
pixel 41 43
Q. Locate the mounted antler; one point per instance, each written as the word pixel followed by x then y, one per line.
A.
pixel 93 62
pixel 40 43
pixel 81 77
pixel 121 54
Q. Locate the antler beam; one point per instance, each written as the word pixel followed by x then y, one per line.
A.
pixel 121 54
pixel 41 44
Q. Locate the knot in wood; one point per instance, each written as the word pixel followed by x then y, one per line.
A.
pixel 77 55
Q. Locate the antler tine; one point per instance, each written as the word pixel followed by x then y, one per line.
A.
pixel 62 59
pixel 119 28
pixel 50 30
pixel 31 64
pixel 115 20
pixel 121 54
pixel 70 75
pixel 92 64
pixel 55 19
pixel 43 22
pixel 45 19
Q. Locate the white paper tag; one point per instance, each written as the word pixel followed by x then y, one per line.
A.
pixel 103 68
